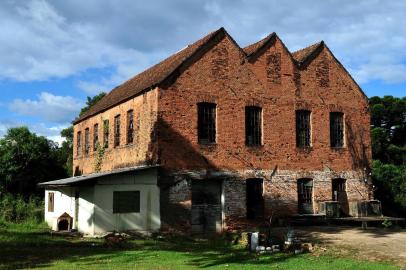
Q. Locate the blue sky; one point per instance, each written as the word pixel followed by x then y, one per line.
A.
pixel 55 53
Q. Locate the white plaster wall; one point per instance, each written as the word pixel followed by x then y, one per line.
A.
pixel 148 219
pixel 64 201
pixel 86 210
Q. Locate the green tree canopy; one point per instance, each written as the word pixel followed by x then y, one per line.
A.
pixel 27 159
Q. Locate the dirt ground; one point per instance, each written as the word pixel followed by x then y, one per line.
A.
pixel 373 244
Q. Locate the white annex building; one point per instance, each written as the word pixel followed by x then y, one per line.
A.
pixel 120 200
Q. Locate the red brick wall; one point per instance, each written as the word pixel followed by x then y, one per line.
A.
pixel 233 83
pixel 271 80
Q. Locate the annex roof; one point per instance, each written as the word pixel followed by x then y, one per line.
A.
pixel 75 180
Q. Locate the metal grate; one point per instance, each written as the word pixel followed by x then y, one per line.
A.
pixel 336 129
pixel 95 136
pixel 117 131
pixel 253 125
pixel 130 127
pixel 78 143
pixel 106 132
pixel 303 128
pixel 87 141
pixel 206 122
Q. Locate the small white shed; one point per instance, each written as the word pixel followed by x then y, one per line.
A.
pixel 121 200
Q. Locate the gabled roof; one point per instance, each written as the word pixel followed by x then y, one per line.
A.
pixel 148 78
pixel 302 55
pixel 159 73
pixel 253 48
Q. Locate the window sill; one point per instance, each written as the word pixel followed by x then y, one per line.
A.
pixel 338 149
pixel 304 149
pixel 254 147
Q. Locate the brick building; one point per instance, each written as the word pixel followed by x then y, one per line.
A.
pixel 232 135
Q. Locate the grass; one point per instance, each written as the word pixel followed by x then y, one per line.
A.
pixel 32 246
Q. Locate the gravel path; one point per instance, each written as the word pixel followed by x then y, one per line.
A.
pixel 373 243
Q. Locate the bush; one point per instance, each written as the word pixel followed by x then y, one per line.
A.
pixel 390 181
pixel 17 210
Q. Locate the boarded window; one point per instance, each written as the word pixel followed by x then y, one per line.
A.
pixel 274 68
pixel 322 72
pixel 253 125
pixel 336 129
pixel 51 201
pixel 95 136
pixel 87 141
pixel 303 128
pixel 130 127
pixel 106 132
pixel 78 143
pixel 117 131
pixel 206 122
pixel 126 202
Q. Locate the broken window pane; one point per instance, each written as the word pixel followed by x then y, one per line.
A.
pixel 303 128
pixel 253 125
pixel 206 122
pixel 336 129
pixel 117 131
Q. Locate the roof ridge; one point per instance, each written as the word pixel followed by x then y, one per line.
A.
pixel 256 46
pixel 148 78
pixel 302 55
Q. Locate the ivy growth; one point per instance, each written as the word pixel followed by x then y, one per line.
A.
pixel 99 157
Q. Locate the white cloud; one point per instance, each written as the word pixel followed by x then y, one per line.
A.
pixel 48 107
pixel 44 39
pixel 41 129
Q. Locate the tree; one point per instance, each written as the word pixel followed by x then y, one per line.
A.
pixel 388 119
pixel 27 159
pixel 66 150
pixel 390 181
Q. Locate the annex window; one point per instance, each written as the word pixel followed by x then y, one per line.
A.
pixel 51 201
pixel 95 136
pixel 106 132
pixel 206 122
pixel 126 202
pixel 336 129
pixel 117 131
pixel 253 125
pixel 87 141
pixel 130 126
pixel 303 128
pixel 78 143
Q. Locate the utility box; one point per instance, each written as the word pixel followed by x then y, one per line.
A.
pixel 365 208
pixel 330 209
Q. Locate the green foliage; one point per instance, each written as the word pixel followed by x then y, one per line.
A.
pixel 23 247
pixel 388 134
pixel 66 150
pixel 391 183
pixel 27 159
pixel 99 157
pixel 387 223
pixel 16 209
